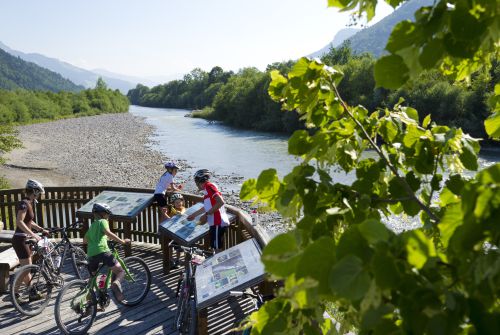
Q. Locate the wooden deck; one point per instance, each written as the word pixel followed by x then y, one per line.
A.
pixel 153 316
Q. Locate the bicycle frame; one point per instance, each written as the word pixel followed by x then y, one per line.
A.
pixel 92 284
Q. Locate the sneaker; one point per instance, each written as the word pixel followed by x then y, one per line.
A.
pixel 117 290
pixel 35 296
pixel 21 299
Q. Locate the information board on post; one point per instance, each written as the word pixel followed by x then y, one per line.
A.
pixel 236 268
pixel 183 231
pixel 126 204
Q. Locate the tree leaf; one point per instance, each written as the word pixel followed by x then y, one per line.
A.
pixel 492 125
pixel 452 218
pixel 348 279
pixel 317 261
pixel 391 72
pixel 281 255
pixel 419 248
pixel 374 231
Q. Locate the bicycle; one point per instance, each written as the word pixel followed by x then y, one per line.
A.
pixel 185 317
pixel 79 301
pixel 258 300
pixel 30 298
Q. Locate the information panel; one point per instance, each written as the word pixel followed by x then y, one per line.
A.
pixel 127 204
pixel 183 231
pixel 236 268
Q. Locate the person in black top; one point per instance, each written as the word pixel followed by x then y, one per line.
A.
pixel 25 224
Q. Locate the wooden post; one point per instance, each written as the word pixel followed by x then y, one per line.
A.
pixel 164 241
pixel 203 322
pixel 127 233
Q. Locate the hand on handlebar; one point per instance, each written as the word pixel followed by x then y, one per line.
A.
pixel 126 241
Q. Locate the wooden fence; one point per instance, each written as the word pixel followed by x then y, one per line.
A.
pixel 58 208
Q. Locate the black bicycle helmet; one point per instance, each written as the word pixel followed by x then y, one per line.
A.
pixel 176 196
pixel 100 208
pixel 201 176
pixel 35 186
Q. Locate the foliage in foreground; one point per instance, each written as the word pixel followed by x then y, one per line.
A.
pixel 442 278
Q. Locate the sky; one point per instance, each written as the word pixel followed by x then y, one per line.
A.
pixel 169 37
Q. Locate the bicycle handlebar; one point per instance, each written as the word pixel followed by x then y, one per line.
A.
pixel 190 250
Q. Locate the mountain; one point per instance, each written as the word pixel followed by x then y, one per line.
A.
pixel 374 38
pixel 77 75
pixel 340 37
pixel 16 73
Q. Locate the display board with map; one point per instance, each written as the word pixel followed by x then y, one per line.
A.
pixel 236 268
pixel 183 231
pixel 125 204
pixel 187 232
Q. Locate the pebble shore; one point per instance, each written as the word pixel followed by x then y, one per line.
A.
pixel 111 150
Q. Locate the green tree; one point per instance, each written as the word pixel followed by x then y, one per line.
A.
pixel 441 278
pixel 101 84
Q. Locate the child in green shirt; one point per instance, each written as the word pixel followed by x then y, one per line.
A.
pixel 98 251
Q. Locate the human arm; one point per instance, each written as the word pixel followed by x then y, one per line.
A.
pixel 195 214
pixel 114 237
pixel 38 228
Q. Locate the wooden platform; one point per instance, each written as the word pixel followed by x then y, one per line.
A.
pixel 153 316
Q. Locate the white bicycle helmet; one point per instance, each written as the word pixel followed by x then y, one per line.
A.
pixel 35 186
pixel 201 176
pixel 176 196
pixel 171 165
pixel 100 207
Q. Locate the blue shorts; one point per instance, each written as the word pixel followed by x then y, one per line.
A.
pixel 217 237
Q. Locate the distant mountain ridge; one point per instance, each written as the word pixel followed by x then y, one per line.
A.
pixel 374 38
pixel 338 39
pixel 77 75
pixel 16 73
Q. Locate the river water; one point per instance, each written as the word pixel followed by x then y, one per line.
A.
pixel 225 150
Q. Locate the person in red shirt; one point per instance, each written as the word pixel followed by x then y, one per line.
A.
pixel 213 209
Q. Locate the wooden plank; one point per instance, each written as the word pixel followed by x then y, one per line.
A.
pixel 11 211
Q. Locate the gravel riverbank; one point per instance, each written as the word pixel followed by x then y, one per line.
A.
pixel 109 149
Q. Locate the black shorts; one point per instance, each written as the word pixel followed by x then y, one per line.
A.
pixel 217 236
pixel 23 251
pixel 160 200
pixel 106 258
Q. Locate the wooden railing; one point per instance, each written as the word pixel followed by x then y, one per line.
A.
pixel 58 207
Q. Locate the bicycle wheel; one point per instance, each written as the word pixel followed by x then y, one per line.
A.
pixel 80 263
pixel 181 306
pixel 75 308
pixel 190 323
pixel 30 297
pixel 136 287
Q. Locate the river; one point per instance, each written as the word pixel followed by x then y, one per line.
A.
pixel 225 150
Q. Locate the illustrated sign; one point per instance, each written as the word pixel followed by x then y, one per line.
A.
pixel 179 228
pixel 122 203
pixel 236 268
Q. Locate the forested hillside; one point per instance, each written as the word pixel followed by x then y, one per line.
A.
pixel 241 99
pixel 16 73
pixel 23 106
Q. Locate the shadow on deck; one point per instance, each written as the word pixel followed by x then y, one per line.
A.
pixel 153 316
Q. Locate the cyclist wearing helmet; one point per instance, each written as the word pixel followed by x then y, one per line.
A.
pixel 166 184
pixel 213 207
pixel 98 251
pixel 25 227
pixel 177 205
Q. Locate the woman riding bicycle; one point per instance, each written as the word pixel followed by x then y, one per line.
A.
pixel 98 250
pixel 26 227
